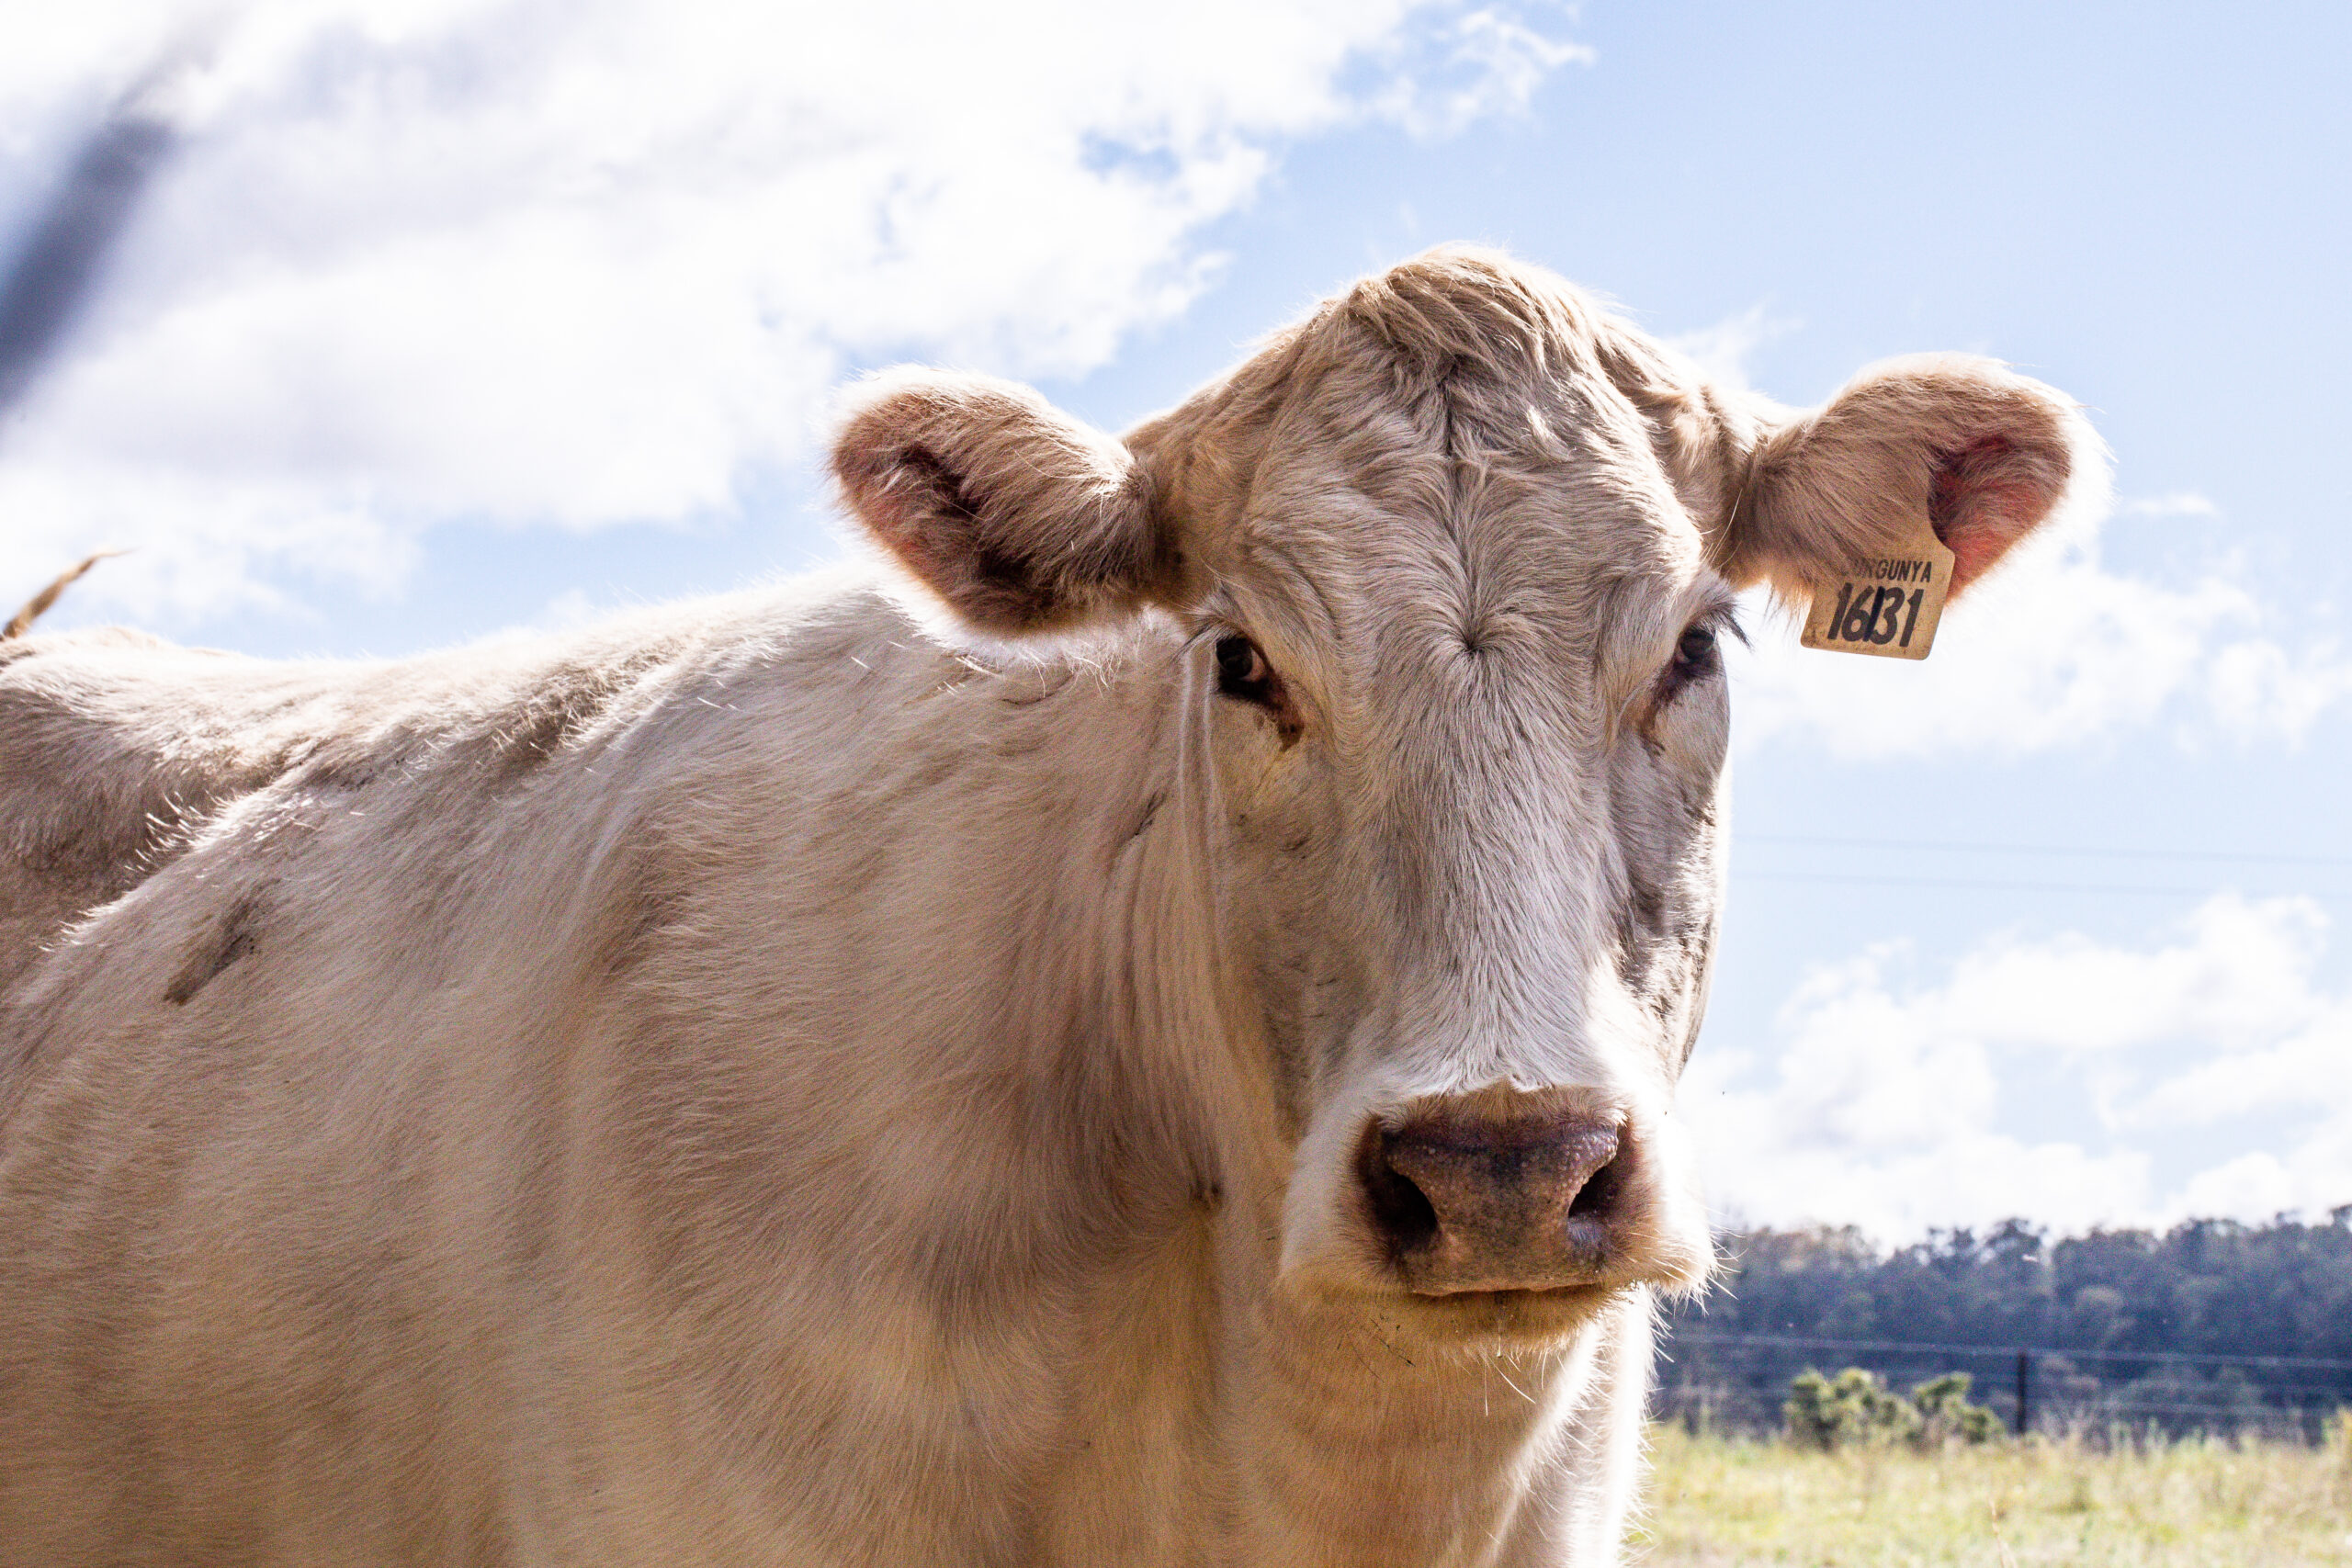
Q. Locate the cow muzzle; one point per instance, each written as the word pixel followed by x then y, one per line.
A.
pixel 1529 1193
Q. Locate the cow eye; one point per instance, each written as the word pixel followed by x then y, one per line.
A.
pixel 1242 672
pixel 1696 654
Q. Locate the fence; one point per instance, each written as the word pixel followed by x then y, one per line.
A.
pixel 1738 1381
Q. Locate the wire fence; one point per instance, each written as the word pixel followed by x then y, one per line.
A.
pixel 1738 1381
pixel 2029 867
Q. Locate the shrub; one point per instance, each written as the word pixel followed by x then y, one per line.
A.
pixel 1946 1416
pixel 1857 1408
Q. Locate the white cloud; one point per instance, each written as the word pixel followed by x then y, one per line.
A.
pixel 2211 1065
pixel 492 260
pixel 1492 63
pixel 2179 504
pixel 1726 351
pixel 2056 650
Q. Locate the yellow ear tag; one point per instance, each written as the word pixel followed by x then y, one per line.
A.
pixel 1887 605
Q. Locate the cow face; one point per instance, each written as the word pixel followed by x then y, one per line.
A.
pixel 1453 565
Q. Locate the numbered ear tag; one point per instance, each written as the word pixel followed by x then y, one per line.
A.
pixel 1887 605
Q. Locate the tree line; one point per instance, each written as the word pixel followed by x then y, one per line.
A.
pixel 2213 1323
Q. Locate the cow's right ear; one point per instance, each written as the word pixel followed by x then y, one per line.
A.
pixel 1981 454
pixel 1019 517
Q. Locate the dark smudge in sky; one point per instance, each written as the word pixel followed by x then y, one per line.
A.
pixel 55 271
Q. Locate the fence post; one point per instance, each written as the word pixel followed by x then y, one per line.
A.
pixel 2025 1409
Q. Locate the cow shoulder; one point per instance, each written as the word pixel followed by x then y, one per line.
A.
pixel 108 763
pixel 119 753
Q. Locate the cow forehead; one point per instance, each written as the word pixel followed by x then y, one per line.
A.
pixel 1523 521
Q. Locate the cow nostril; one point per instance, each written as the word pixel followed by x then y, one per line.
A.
pixel 1598 1193
pixel 1401 1213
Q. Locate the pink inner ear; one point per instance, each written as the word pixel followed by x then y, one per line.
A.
pixel 1985 499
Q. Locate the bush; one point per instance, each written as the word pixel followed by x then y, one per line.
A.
pixel 1857 1408
pixel 1946 1416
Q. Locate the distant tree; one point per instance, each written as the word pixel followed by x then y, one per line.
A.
pixel 2094 1305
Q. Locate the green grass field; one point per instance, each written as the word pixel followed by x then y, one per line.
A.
pixel 2200 1503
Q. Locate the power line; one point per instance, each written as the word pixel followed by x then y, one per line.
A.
pixel 1985 885
pixel 1953 846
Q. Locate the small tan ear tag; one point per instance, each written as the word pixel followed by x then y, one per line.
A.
pixel 1887 605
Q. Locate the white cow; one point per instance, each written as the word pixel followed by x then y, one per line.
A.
pixel 1155 1046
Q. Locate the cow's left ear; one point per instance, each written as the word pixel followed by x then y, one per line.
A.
pixel 1023 519
pixel 1984 455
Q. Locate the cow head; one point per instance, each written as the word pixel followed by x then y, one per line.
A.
pixel 1450 567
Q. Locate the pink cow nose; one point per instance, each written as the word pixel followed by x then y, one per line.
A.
pixel 1480 1205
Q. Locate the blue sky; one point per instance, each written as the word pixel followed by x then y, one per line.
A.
pixel 455 317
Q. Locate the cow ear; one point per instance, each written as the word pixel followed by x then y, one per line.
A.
pixel 1023 519
pixel 1985 455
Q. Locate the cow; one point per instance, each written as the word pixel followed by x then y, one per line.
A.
pixel 1137 1024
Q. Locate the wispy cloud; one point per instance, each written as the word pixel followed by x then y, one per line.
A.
pixel 2179 504
pixel 2209 1063
pixel 486 260
pixel 1726 351
pixel 1458 69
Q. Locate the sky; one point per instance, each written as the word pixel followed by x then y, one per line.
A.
pixel 445 319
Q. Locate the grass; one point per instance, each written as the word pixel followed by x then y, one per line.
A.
pixel 1731 1502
